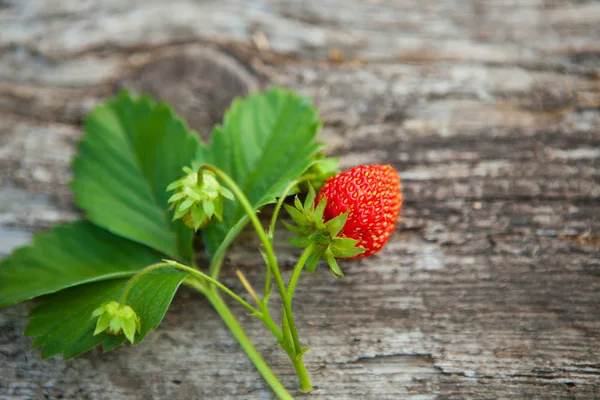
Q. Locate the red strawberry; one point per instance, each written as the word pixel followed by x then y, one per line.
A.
pixel 372 196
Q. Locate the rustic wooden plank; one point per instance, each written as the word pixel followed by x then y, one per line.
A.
pixel 490 111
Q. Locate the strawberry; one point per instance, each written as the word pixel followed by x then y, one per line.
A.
pixel 372 197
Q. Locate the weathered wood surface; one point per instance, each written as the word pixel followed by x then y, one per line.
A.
pixel 490 109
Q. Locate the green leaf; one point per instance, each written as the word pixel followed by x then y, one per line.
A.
pixel 62 322
pixel 333 266
pixel 335 225
pixel 209 208
pixel 299 241
pixel 320 209
pixel 151 296
pixel 319 238
pixel 131 151
pixel 309 202
pixel 266 141
pixel 345 248
pixel 344 242
pixel 313 260
pixel 66 256
pixel 293 228
pixel 297 203
pixel 347 253
pixel 302 352
pixel 296 215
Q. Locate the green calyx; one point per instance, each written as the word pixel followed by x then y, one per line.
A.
pixel 322 169
pixel 198 198
pixel 116 319
pixel 323 237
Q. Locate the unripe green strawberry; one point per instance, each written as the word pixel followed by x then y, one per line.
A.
pixel 372 197
pixel 198 197
pixel 115 319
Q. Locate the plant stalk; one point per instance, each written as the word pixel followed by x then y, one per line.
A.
pixel 217 301
pixel 305 385
pixel 198 274
pixel 297 270
pixel 281 199
pixel 293 349
pixel 271 259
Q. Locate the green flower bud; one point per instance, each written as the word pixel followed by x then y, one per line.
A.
pixel 198 198
pixel 115 319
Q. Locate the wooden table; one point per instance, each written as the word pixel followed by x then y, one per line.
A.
pixel 489 289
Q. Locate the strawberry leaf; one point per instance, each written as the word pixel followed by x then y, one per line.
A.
pixel 320 209
pixel 266 141
pixel 345 248
pixel 313 260
pixel 309 202
pixel 297 203
pixel 293 228
pixel 319 238
pixel 333 265
pixel 299 241
pixel 132 149
pixel 62 322
pixel 66 256
pixel 335 225
pixel 297 216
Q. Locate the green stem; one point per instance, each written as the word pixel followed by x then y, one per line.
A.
pixel 239 334
pixel 281 199
pixel 271 259
pixel 260 364
pixel 267 291
pixel 286 336
pixel 295 353
pixel 268 321
pixel 305 385
pixel 264 315
pixel 192 271
pixel 297 360
pixel 298 269
pixel 217 258
pixel 271 233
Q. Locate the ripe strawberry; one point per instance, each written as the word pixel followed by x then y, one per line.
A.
pixel 372 196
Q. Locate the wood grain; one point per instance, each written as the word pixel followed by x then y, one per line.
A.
pixel 490 110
